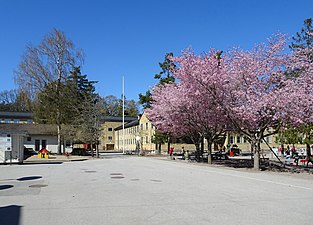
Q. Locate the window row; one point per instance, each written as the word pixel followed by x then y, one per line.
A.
pixel 15 121
pixel 242 139
pixel 131 130
pixel 143 140
pixel 145 126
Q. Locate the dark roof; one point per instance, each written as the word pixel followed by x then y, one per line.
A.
pixel 117 118
pixel 127 125
pixel 17 115
pixel 31 129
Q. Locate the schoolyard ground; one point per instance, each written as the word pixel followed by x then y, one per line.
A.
pixel 135 190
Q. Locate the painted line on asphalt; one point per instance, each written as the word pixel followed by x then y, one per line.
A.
pixel 261 180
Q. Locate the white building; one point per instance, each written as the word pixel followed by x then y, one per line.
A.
pixel 11 148
pixel 35 136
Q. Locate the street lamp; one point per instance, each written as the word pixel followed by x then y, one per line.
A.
pixel 137 144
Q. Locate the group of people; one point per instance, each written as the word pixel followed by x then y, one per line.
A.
pixel 293 153
pixel 184 154
pixel 289 152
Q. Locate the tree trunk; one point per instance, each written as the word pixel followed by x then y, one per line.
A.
pixel 168 144
pixel 198 151
pixel 197 144
pixel 59 139
pixel 202 145
pixel 58 108
pixel 209 152
pixel 64 151
pixel 97 150
pixel 256 152
pixel 308 150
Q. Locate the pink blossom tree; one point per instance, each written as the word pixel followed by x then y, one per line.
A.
pixel 187 108
pixel 169 115
pixel 261 97
pixel 197 75
pixel 251 90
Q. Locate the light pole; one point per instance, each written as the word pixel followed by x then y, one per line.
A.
pixel 137 144
pixel 123 90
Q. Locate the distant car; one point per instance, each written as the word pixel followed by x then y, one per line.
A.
pixel 81 152
pixel 28 152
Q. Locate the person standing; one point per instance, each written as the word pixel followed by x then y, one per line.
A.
pixel 183 153
pixel 171 152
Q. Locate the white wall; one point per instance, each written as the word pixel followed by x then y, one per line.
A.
pixel 52 142
pixel 11 148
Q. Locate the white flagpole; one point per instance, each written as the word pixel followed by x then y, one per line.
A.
pixel 123 115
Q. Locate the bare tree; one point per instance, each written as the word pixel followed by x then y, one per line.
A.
pixel 90 129
pixel 50 61
pixel 14 101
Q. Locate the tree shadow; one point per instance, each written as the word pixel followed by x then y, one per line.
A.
pixel 10 215
pixel 235 163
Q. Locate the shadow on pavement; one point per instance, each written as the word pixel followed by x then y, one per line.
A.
pixel 40 163
pixel 10 215
pixel 29 178
pixel 236 163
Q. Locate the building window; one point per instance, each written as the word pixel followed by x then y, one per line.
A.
pixel 37 145
pixel 29 139
pixel 110 138
pixel 110 129
pixel 141 126
pixel 7 121
pixel 16 121
pixel 238 139
pixel 231 139
pixel 146 126
pixel 147 139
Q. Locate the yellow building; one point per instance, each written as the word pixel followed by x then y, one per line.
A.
pixel 137 135
pixel 146 132
pixel 109 123
pixel 234 138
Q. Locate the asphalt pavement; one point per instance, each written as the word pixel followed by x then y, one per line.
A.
pixel 135 190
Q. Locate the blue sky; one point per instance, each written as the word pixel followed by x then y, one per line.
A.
pixel 129 38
